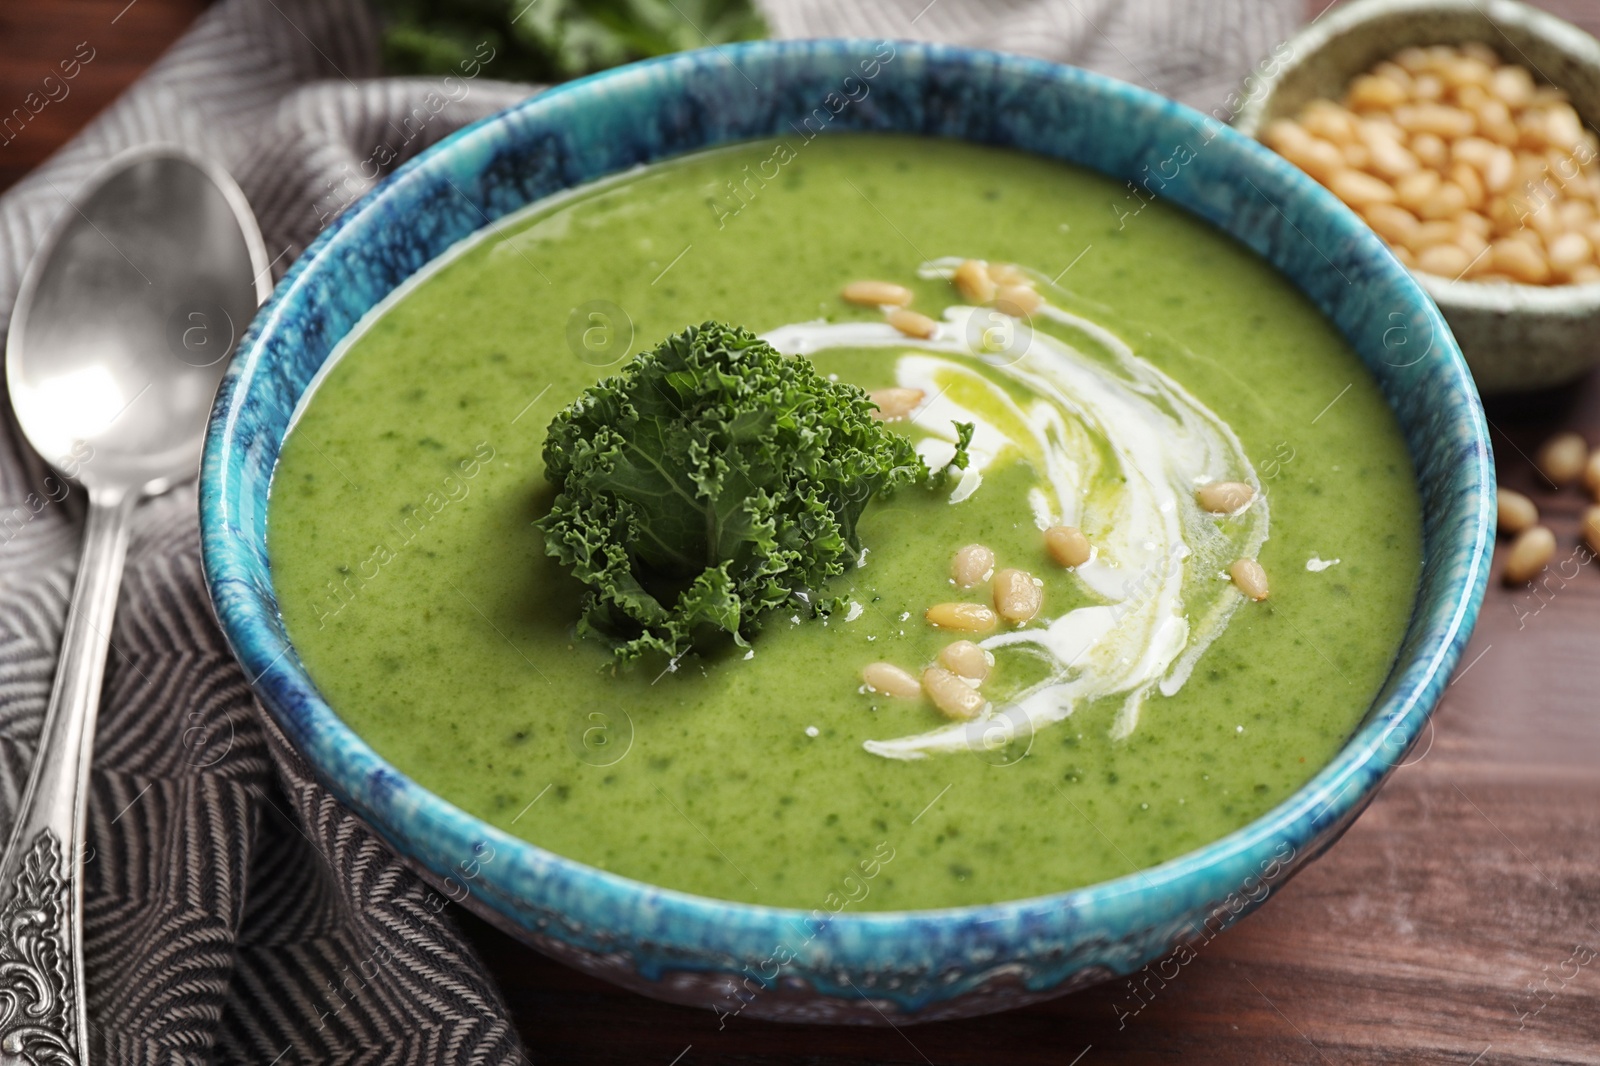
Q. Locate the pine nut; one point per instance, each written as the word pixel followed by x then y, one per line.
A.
pixel 1224 497
pixel 1467 70
pixel 1562 458
pixel 1477 250
pixel 1391 159
pixel 973 282
pixel 1282 131
pixel 1528 555
pixel 1591 475
pixel 1249 578
pixel 1465 178
pixel 1476 223
pixel 1391 222
pixel 953 696
pixel 1563 127
pixel 1591 528
pixel 967 659
pixel 1576 215
pixel 1471 98
pixel 1017 596
pixel 1444 260
pixel 1496 124
pixel 1500 171
pixel 1358 189
pixel 1369 92
pixel 894 403
pixel 967 617
pixel 1413 60
pixel 1430 150
pixel 1329 121
pixel 1007 274
pixel 1546 224
pixel 1474 151
pixel 1317 157
pixel 1356 154
pixel 1428 88
pixel 1568 252
pixel 876 294
pixel 1017 300
pixel 1413 190
pixel 1435 231
pixel 1395 73
pixel 971 565
pixel 1532 133
pixel 1379 128
pixel 1512 85
pixel 1520 260
pixel 1515 512
pixel 891 680
pixel 1440 120
pixel 1067 545
pixel 913 324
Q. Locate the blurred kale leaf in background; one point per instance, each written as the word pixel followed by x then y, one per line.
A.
pixel 554 40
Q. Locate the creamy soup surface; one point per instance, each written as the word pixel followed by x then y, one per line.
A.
pixel 1163 708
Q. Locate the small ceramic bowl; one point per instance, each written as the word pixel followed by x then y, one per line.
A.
pixel 1516 338
pixel 819 965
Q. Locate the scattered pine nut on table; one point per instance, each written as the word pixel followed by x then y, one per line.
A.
pixel 1591 527
pixel 1516 512
pixel 1528 555
pixel 1591 475
pixel 1562 458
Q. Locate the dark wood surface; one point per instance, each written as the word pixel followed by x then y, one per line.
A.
pixel 1457 922
pixel 37 35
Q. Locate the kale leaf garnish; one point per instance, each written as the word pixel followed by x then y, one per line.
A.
pixel 713 480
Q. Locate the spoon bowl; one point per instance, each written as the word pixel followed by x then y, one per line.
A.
pixel 124 323
pixel 121 332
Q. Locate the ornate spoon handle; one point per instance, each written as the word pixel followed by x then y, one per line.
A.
pixel 43 1017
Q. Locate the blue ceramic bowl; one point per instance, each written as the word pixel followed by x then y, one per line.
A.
pixel 850 967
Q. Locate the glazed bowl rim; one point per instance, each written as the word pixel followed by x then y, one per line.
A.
pixel 427 822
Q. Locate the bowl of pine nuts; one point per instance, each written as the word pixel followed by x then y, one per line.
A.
pixel 1462 132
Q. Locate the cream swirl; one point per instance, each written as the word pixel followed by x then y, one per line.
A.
pixel 1118 448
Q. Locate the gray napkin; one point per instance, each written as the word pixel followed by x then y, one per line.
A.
pixel 235 911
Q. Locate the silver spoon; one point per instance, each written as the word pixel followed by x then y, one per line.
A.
pixel 121 332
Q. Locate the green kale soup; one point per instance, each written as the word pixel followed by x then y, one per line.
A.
pixel 1111 369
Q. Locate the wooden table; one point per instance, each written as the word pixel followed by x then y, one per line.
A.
pixel 1457 922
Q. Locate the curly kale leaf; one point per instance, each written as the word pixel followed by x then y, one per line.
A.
pixel 552 40
pixel 964 432
pixel 713 480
